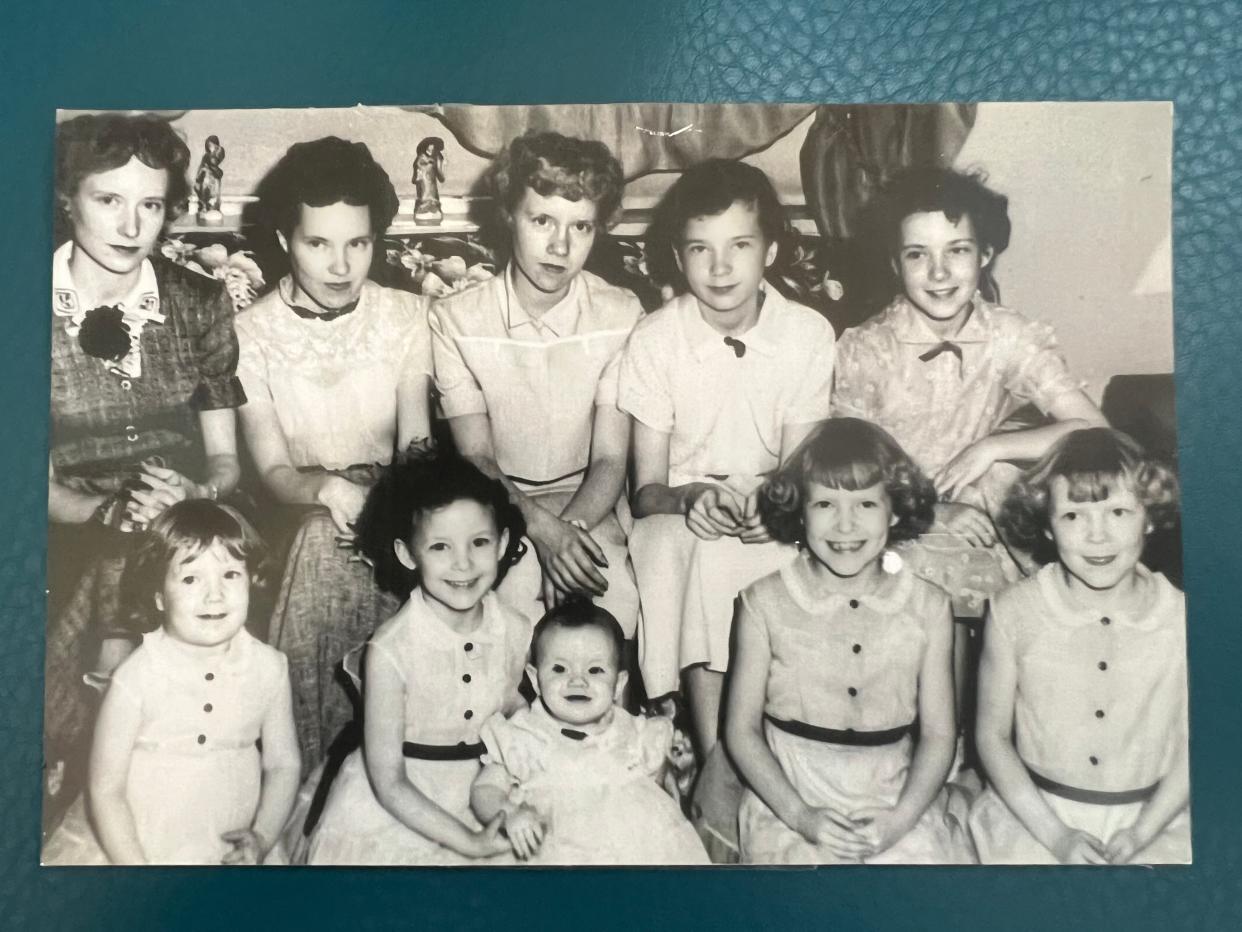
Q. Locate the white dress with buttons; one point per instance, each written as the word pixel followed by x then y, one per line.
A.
pixel 846 664
pixel 1101 706
pixel 196 771
pixel 454 684
pixel 725 409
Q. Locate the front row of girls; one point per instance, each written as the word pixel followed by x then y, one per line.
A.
pixel 840 712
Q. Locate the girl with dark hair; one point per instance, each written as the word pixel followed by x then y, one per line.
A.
pixel 1082 690
pixel 943 367
pixel 722 383
pixel 337 371
pixel 142 393
pixel 194 759
pixel 441 533
pixel 838 655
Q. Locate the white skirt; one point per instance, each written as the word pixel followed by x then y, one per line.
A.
pixel 1001 838
pixel 847 778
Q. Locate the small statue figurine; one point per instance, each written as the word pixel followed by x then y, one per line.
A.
pixel 209 181
pixel 428 173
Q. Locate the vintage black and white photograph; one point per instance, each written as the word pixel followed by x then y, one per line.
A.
pixel 621 485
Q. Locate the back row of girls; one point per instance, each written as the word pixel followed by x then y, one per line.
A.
pixel 545 374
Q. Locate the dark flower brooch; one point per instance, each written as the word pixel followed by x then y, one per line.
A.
pixel 104 334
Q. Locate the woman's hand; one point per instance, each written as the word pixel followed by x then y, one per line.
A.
pixel 570 557
pixel 881 826
pixel 525 830
pixel 1078 847
pixel 965 468
pixel 165 487
pixel 715 512
pixel 247 847
pixel 828 828
pixel 344 501
pixel 967 522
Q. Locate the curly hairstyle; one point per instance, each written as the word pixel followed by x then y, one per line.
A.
pixel 407 491
pixel 931 189
pixel 182 532
pixel 578 612
pixel 1094 461
pixel 707 189
pixel 554 165
pixel 99 142
pixel 852 454
pixel 322 172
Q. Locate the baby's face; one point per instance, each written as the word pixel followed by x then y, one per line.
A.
pixel 578 674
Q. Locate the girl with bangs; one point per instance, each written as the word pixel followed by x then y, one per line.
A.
pixel 836 657
pixel 1082 713
pixel 194 759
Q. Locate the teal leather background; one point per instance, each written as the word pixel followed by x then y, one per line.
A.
pixel 229 53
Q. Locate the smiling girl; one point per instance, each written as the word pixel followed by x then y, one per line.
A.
pixel 722 383
pixel 1082 711
pixel 575 775
pixel 942 367
pixel 439 533
pixel 837 659
pixel 194 758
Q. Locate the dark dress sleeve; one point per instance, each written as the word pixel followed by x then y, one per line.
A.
pixel 216 357
pixel 201 313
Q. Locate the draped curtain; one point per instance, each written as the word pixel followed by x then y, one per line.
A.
pixel 850 150
pixel 644 137
pixel 848 153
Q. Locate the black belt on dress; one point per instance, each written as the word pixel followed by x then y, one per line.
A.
pixel 1095 797
pixel 866 739
pixel 536 483
pixel 459 751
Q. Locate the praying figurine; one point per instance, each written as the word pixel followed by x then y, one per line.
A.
pixel 209 181
pixel 428 173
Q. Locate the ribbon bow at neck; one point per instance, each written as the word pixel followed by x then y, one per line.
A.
pixel 941 348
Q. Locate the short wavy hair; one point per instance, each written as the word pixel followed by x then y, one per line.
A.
pixel 99 142
pixel 578 612
pixel 322 172
pixel 410 488
pixel 932 189
pixel 1094 461
pixel 551 165
pixel 852 454
pixel 186 528
pixel 711 187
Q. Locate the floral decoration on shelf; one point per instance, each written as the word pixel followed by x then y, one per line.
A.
pixel 437 266
pixel 240 273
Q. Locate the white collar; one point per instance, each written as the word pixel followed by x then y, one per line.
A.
pixel 141 303
pixel 705 340
pixel 892 593
pixel 1065 610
